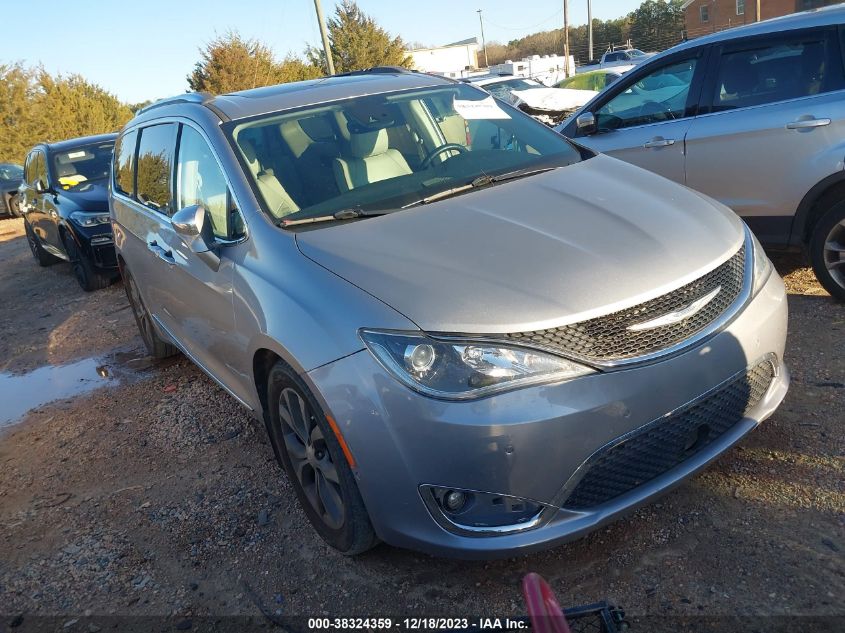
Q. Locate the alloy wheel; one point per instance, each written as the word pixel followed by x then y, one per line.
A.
pixel 834 253
pixel 310 458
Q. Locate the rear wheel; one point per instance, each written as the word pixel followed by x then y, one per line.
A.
pixel 156 346
pixel 315 463
pixel 827 250
pixel 41 256
pixel 87 275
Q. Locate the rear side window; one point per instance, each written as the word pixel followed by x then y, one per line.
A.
pixel 124 163
pixel 777 71
pixel 155 167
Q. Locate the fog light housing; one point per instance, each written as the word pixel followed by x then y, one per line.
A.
pixel 475 513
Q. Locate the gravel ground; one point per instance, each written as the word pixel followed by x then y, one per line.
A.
pixel 157 495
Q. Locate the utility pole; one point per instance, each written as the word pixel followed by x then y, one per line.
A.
pixel 328 49
pixel 590 27
pixel 483 41
pixel 758 10
pixel 566 36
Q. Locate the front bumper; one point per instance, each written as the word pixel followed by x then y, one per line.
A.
pixel 98 244
pixel 529 443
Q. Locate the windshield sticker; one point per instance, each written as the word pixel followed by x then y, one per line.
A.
pixel 484 109
pixel 79 154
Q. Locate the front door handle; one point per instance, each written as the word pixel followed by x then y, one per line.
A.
pixel 165 255
pixel 801 124
pixel 659 141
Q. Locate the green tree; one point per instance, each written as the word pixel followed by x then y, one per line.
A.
pixel 657 24
pixel 358 42
pixel 36 106
pixel 230 63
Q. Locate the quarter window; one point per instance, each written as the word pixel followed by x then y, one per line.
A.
pixel 124 163
pixel 767 74
pixel 155 167
pixel 657 97
pixel 200 180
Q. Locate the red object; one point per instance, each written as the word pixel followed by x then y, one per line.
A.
pixel 543 608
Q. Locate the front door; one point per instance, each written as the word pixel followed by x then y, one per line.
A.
pixel 645 119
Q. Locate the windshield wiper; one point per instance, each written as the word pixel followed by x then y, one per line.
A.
pixel 343 214
pixel 479 182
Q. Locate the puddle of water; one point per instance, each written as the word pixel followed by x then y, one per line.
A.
pixel 21 393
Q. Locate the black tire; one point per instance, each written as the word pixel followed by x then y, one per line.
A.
pixel 827 250
pixel 41 256
pixel 86 273
pixel 156 346
pixel 334 508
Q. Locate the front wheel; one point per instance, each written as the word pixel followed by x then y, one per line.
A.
pixel 86 273
pixel 315 463
pixel 827 250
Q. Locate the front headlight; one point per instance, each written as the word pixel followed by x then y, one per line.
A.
pixel 461 369
pixel 762 264
pixel 83 218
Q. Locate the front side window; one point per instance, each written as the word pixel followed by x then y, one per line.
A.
pixel 384 152
pixel 74 168
pixel 767 74
pixel 704 13
pixel 659 96
pixel 155 167
pixel 40 168
pixel 29 169
pixel 124 163
pixel 199 180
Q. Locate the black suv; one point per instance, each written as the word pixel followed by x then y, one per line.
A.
pixel 64 203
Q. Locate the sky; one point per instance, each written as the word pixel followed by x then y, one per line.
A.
pixel 144 50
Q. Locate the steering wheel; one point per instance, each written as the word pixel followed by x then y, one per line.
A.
pixel 654 111
pixel 439 150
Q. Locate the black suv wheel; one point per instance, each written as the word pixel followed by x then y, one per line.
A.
pixel 87 275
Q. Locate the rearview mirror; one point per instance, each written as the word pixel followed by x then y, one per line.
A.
pixel 586 123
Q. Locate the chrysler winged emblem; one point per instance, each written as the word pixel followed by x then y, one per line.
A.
pixel 670 318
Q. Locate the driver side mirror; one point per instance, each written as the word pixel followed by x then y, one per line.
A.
pixel 193 225
pixel 586 124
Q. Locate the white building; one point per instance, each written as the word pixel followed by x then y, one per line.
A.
pixel 453 60
pixel 547 69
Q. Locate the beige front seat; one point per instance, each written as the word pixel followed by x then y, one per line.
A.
pixel 372 160
pixel 274 193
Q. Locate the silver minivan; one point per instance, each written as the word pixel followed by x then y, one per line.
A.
pixel 754 117
pixel 464 333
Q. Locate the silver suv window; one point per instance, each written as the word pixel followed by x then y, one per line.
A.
pixel 659 96
pixel 773 72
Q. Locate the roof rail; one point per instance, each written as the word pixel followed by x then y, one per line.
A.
pixel 376 70
pixel 188 97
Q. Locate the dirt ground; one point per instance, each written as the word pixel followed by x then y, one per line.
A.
pixel 157 495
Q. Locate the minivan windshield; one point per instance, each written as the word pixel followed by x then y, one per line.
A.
pixel 74 167
pixel 379 153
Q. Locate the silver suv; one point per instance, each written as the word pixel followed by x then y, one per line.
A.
pixel 464 334
pixel 753 116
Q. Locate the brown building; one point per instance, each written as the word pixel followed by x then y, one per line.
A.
pixel 708 16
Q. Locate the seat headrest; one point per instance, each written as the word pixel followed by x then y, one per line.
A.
pixel 248 150
pixel 368 144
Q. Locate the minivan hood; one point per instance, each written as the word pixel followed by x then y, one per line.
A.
pixel 535 253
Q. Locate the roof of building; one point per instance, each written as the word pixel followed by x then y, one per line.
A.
pixel 834 14
pixel 469 40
